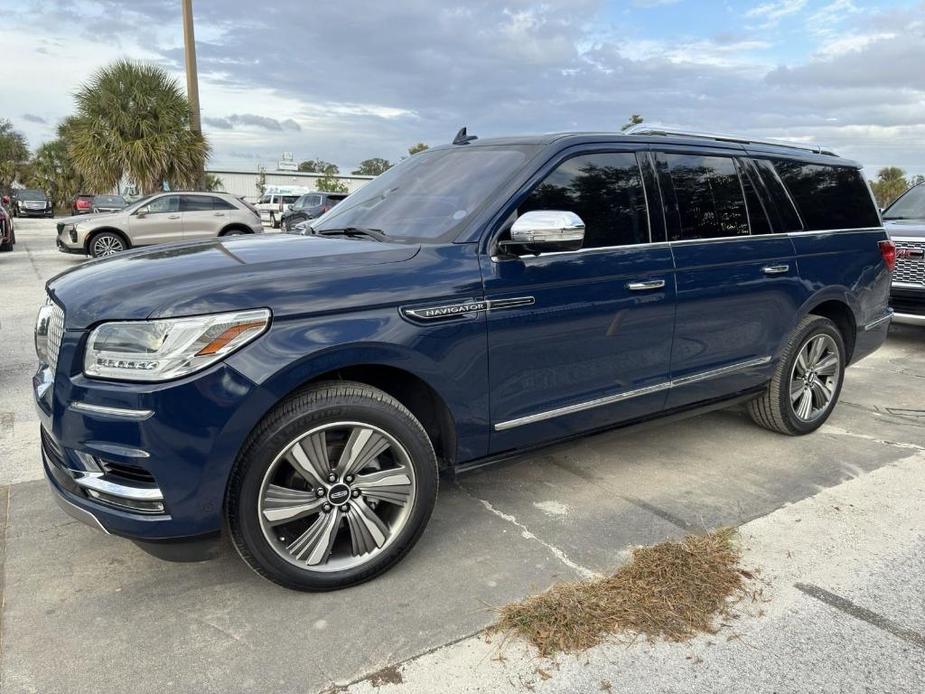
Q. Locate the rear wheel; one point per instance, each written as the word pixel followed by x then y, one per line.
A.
pixel 274 222
pixel 106 243
pixel 334 488
pixel 807 381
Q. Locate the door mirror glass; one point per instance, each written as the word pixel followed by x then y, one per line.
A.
pixel 548 230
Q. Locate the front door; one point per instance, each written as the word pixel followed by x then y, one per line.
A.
pixel 738 286
pixel 160 221
pixel 580 340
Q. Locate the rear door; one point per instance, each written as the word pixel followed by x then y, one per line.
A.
pixel 738 287
pixel 160 221
pixel 204 216
pixel 580 339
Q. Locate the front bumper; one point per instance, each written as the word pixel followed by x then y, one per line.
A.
pixel 149 462
pixel 26 212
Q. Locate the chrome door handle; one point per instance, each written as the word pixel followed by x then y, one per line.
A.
pixel 775 269
pixel 644 285
pixel 173 216
pixel 219 214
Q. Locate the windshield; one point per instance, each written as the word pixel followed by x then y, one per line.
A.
pixel 910 205
pixel 109 201
pixel 30 195
pixel 430 194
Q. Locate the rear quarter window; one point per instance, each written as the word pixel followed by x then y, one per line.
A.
pixel 828 197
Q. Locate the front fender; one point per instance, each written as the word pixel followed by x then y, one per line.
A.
pixel 450 357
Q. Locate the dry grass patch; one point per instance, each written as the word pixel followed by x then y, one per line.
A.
pixel 669 591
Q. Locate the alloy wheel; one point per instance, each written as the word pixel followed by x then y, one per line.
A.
pixel 814 377
pixel 336 497
pixel 107 245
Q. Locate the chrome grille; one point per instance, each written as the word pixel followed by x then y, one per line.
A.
pixel 55 334
pixel 910 270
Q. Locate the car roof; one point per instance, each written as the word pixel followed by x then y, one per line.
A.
pixel 562 140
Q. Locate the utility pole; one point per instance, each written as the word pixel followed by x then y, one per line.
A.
pixel 192 78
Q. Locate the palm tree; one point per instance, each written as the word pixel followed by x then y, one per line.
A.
pixel 133 121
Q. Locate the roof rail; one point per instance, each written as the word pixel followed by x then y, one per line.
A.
pixel 645 129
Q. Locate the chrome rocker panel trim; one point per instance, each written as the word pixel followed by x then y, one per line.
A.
pixel 626 395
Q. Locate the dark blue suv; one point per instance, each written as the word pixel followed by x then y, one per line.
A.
pixel 477 300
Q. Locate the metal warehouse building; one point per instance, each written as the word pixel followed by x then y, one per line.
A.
pixel 244 183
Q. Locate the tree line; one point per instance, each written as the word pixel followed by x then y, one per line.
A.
pixel 891 182
pixel 373 166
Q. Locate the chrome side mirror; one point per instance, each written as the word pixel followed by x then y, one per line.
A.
pixel 548 230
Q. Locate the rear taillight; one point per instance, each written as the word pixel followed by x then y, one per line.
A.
pixel 83 204
pixel 888 253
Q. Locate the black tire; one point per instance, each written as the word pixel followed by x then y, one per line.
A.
pixel 6 247
pixel 274 221
pixel 774 409
pixel 328 403
pixel 106 243
pixel 233 232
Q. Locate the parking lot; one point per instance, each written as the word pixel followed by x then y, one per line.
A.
pixel 86 612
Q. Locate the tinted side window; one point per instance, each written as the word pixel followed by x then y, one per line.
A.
pixel 196 203
pixel 828 197
pixel 605 190
pixel 785 215
pixel 221 204
pixel 708 195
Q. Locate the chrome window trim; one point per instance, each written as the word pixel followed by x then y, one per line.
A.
pixel 116 412
pixel 712 239
pixel 626 395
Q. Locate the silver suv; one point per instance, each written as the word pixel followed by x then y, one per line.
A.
pixel 159 218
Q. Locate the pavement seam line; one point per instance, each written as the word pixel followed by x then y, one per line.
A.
pixel 525 532
pixel 837 431
pixel 862 613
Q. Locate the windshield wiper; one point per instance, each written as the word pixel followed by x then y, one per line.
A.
pixel 376 234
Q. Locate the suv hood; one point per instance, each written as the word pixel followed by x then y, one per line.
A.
pixel 285 273
pixel 905 228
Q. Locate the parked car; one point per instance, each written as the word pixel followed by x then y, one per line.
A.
pixel 475 301
pixel 904 220
pixel 161 218
pixel 28 202
pixel 83 204
pixel 109 203
pixel 7 233
pixel 309 206
pixel 276 200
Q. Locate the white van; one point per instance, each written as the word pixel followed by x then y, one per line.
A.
pixel 277 199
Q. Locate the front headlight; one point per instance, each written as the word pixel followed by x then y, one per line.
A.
pixel 159 350
pixel 42 321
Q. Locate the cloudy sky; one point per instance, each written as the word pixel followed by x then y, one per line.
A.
pixel 346 80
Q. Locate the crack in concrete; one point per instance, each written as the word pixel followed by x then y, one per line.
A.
pixel 526 533
pixel 838 431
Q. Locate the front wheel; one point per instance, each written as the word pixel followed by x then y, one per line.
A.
pixel 106 243
pixel 807 381
pixel 333 488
